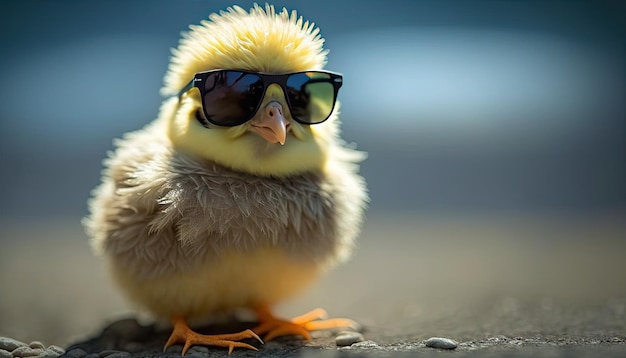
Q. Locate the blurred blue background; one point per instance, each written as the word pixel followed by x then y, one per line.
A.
pixel 463 106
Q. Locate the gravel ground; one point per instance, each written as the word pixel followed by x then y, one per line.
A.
pixel 507 287
pixel 129 338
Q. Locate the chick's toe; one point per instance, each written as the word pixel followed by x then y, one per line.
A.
pixel 183 334
pixel 315 320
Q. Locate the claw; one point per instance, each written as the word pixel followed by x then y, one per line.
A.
pixel 182 333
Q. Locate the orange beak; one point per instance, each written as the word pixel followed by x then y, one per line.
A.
pixel 271 125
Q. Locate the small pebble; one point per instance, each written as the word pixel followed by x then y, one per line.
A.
pixel 36 344
pixel 348 338
pixel 356 326
pixel 75 353
pixel 366 344
pixel 132 347
pixel 48 354
pixel 5 354
pixel 26 351
pixel 9 344
pixel 442 343
pixel 119 354
pixel 176 348
pixel 198 350
pixel 56 349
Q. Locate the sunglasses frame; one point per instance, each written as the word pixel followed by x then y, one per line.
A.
pixel 336 79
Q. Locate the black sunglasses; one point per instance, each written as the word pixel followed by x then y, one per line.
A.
pixel 231 98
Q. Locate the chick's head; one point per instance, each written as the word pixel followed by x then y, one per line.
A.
pixel 260 40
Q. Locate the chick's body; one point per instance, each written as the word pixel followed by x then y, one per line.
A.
pixel 193 220
pixel 188 236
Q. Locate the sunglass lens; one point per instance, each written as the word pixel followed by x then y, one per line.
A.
pixel 231 97
pixel 311 95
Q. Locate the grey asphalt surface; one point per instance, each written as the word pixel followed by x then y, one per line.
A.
pixel 548 286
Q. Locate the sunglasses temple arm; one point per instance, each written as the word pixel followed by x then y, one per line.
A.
pixel 185 89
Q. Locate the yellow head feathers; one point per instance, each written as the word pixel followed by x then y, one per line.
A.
pixel 261 40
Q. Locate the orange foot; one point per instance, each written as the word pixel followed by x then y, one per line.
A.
pixel 315 320
pixel 182 333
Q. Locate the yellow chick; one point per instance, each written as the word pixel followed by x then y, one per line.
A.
pixel 241 193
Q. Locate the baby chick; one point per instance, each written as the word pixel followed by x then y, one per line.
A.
pixel 241 193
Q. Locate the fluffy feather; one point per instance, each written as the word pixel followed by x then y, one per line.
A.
pixel 193 220
pixel 260 40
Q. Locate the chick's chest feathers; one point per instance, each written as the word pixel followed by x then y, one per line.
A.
pixel 159 212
